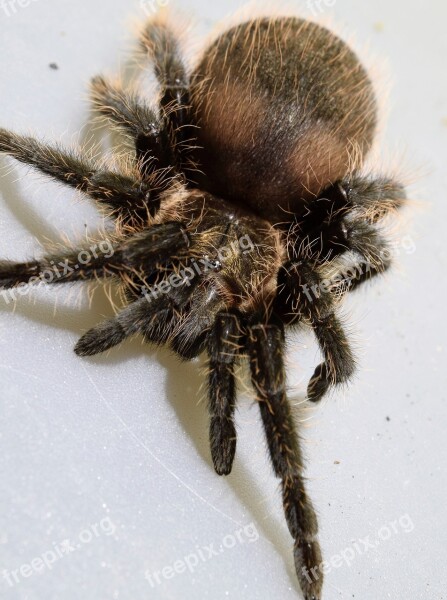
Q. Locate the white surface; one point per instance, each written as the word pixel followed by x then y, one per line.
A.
pixel 125 436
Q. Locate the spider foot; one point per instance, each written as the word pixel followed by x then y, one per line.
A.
pixel 307 564
pixel 319 384
pixel 223 444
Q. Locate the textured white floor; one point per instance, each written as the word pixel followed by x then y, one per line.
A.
pixel 111 454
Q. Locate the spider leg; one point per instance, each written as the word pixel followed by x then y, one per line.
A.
pixel 265 349
pixel 305 295
pixel 374 251
pixel 364 240
pixel 189 340
pixel 223 349
pixel 308 294
pixel 125 195
pixel 370 199
pixel 140 255
pixel 57 268
pixel 160 43
pixel 130 113
pixel 182 311
pixel 361 199
pixel 339 364
pixel 113 331
pixel 375 196
pixel 154 317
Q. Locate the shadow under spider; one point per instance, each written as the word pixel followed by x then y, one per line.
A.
pixel 31 220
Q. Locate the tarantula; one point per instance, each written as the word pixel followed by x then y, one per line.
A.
pixel 256 143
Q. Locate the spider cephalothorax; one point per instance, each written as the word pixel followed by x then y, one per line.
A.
pixel 243 196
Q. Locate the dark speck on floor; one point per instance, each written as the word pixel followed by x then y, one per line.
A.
pixel 54 66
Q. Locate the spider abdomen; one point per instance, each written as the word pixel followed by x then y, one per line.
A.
pixel 281 105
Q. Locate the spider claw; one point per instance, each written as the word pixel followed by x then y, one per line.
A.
pixel 319 384
pixel 99 339
pixel 307 564
pixel 223 445
pixel 222 469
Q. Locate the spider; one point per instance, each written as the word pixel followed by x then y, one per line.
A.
pixel 264 140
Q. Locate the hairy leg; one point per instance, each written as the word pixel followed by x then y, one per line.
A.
pixel 223 349
pixel 265 349
pixel 375 196
pixel 126 196
pixel 315 297
pixel 161 45
pixel 304 295
pixel 366 254
pixel 153 317
pixel 323 233
pixel 366 242
pixel 131 114
pixel 372 249
pixel 139 255
pixel 190 338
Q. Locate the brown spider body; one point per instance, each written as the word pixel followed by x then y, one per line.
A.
pixel 281 107
pixel 246 190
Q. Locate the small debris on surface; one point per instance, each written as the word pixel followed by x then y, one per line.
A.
pixel 388 419
pixel 336 462
pixel 54 66
pixel 379 26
